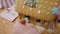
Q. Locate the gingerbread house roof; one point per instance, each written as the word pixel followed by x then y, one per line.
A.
pixel 42 10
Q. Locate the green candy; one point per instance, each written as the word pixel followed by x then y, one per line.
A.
pixel 49 8
pixel 37 0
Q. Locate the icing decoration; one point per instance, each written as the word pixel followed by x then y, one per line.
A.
pixel 55 10
pixel 24 2
pixel 23 6
pixel 31 3
pixel 39 12
pixel 56 3
pixel 30 8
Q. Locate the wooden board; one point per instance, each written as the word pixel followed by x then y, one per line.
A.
pixel 2 30
pixel 6 27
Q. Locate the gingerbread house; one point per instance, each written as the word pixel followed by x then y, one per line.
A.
pixel 38 11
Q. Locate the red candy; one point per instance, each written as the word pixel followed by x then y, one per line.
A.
pixel 23 21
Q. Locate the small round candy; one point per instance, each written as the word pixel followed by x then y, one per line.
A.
pixel 55 10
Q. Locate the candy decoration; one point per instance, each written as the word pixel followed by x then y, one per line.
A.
pixel 23 22
pixel 37 1
pixel 31 3
pixel 26 18
pixel 49 8
pixel 55 10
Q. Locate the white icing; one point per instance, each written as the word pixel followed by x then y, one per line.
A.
pixel 23 7
pixel 56 3
pixel 39 12
pixel 30 8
